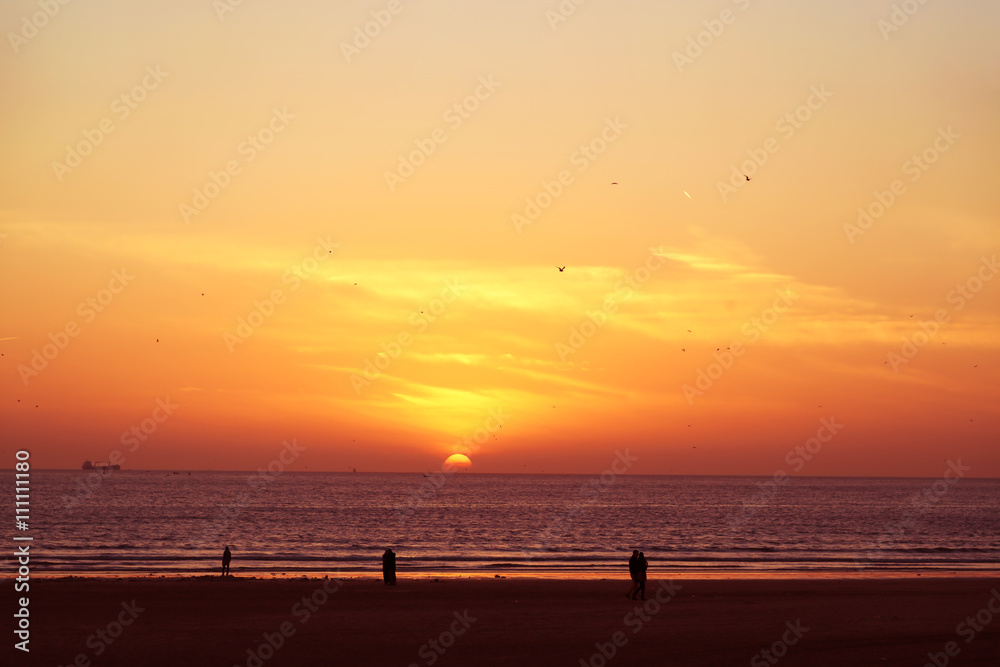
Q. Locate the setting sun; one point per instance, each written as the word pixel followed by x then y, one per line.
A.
pixel 457 461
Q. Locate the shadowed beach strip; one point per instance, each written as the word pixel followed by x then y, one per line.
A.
pixel 482 621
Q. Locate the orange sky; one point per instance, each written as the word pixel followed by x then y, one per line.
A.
pixel 239 213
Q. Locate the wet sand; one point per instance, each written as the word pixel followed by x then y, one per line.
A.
pixel 515 621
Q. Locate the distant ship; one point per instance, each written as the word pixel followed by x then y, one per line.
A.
pixel 103 466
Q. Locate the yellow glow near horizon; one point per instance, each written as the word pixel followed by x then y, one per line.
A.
pixel 458 461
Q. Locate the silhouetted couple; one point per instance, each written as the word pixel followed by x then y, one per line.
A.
pixel 389 567
pixel 637 566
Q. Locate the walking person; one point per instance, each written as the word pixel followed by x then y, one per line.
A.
pixel 227 557
pixel 389 567
pixel 641 566
pixel 633 573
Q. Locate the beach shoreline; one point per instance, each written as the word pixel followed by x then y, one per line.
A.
pixel 209 620
pixel 546 574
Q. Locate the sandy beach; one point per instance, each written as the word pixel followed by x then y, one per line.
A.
pixel 514 621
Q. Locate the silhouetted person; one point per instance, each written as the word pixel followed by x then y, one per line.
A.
pixel 633 572
pixel 641 566
pixel 389 567
pixel 227 556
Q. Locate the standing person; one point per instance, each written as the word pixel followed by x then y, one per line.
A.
pixel 641 566
pixel 633 573
pixel 389 567
pixel 227 556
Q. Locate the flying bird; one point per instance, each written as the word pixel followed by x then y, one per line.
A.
pixel 561 268
pixel 615 183
pixel 746 177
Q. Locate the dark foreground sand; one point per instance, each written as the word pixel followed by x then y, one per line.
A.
pixel 210 621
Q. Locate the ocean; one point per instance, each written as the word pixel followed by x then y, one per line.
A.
pixel 293 523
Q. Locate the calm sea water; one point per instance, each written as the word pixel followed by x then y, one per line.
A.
pixel 131 522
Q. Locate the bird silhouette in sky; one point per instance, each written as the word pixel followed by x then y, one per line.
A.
pixel 561 268
pixel 746 177
pixel 615 183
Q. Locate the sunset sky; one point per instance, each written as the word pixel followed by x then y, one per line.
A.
pixel 169 168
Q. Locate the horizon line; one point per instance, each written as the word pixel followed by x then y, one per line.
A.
pixel 469 472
